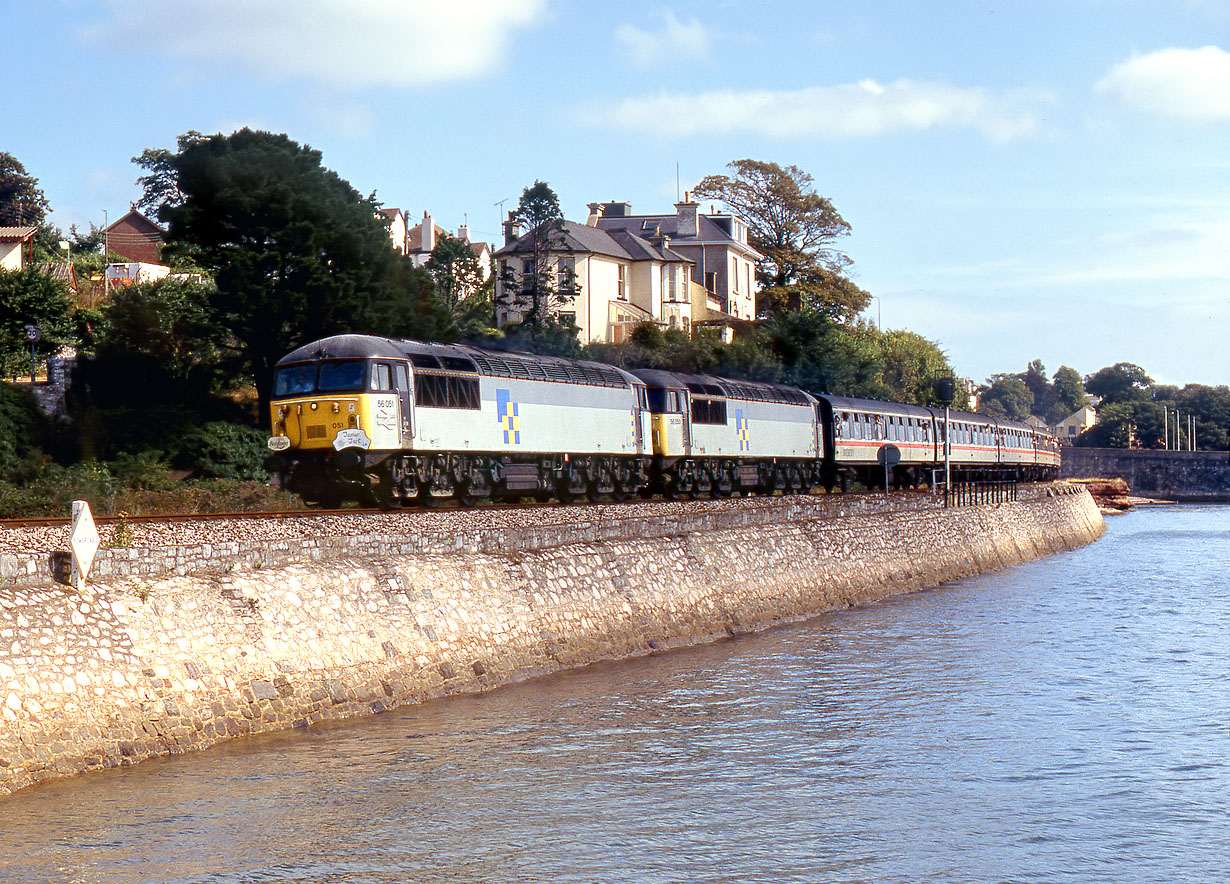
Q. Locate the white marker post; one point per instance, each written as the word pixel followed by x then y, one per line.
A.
pixel 84 542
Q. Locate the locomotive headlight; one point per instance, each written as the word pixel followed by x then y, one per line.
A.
pixel 315 406
pixel 352 408
pixel 336 407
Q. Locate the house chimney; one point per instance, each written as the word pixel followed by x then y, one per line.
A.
pixel 595 215
pixel 463 233
pixel 687 220
pixel 512 230
pixel 428 233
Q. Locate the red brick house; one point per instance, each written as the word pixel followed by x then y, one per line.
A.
pixel 136 238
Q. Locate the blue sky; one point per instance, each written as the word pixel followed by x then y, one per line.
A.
pixel 1023 179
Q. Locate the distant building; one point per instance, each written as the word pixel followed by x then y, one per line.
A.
pixel 397 228
pixel 721 261
pixel 136 238
pixel 971 390
pixel 421 240
pixel 15 243
pixel 619 280
pixel 1076 423
pixel 136 271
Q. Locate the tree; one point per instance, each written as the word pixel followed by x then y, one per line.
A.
pixel 795 229
pixel 295 251
pixel 909 366
pixel 543 283
pixel 1007 397
pixel 461 285
pixel 22 203
pixel 1121 382
pixel 32 298
pixel 1069 394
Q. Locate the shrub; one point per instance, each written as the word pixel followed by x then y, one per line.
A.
pixel 221 450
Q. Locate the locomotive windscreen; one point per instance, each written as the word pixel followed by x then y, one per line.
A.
pixel 330 376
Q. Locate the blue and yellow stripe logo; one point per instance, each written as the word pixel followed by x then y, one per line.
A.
pixel 741 430
pixel 510 420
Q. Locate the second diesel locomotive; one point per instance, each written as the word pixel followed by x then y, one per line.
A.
pixel 401 422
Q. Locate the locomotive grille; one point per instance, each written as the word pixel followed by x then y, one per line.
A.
pixel 317 432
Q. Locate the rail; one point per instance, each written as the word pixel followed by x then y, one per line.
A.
pixel 980 492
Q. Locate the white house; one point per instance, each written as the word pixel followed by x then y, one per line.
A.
pixel 619 279
pixel 13 242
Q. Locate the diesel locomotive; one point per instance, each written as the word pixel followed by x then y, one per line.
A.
pixel 396 422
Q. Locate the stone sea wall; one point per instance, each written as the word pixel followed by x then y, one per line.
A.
pixel 174 659
pixel 1166 475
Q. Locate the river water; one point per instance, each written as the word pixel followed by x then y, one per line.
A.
pixel 1063 721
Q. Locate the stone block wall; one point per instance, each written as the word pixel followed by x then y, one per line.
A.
pixel 1166 475
pixel 171 662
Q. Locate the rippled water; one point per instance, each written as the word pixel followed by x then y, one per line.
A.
pixel 1064 721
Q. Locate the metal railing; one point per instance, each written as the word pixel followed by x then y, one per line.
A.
pixel 980 492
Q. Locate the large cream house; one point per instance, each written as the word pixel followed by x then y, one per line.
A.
pixel 674 270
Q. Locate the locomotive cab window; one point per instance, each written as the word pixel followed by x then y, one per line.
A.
pixel 381 379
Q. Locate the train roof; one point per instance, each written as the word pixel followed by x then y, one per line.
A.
pixel 875 405
pixel 464 358
pixel 710 385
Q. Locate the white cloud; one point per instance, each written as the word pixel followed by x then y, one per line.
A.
pixel 340 43
pixel 676 41
pixel 852 110
pixel 1189 84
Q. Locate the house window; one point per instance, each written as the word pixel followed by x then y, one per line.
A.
pixel 711 282
pixel 566 274
pixel 622 290
pixel 734 275
pixel 567 318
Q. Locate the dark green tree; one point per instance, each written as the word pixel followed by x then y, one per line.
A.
pixel 32 298
pixel 22 203
pixel 796 230
pixel 1121 382
pixel 1069 394
pixel 295 251
pixel 414 308
pixel 533 283
pixel 1006 397
pixel 909 364
pixel 462 286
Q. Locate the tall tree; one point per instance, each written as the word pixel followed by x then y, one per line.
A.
pixel 295 251
pixel 909 366
pixel 456 271
pixel 541 283
pixel 796 230
pixel 1007 397
pixel 1069 394
pixel 1121 382
pixel 22 203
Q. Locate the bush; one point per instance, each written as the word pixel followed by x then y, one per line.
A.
pixel 220 450
pixel 20 427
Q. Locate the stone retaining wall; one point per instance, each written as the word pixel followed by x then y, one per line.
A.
pixel 166 663
pixel 1166 475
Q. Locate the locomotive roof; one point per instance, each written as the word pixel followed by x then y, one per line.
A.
pixel 709 385
pixel 462 357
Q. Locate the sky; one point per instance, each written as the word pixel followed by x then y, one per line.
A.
pixel 1023 180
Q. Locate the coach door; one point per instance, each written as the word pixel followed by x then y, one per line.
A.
pixel 405 401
